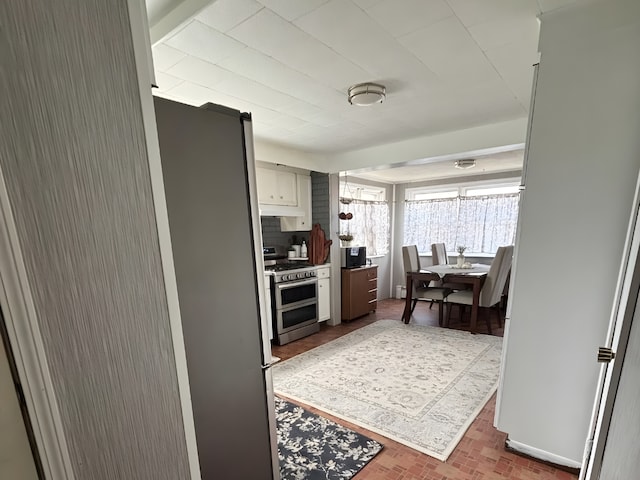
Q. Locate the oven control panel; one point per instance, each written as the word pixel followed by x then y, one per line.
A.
pixel 301 275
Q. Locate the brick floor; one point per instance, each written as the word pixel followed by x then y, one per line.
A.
pixel 480 455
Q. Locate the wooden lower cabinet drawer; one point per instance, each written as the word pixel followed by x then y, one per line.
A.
pixel 359 291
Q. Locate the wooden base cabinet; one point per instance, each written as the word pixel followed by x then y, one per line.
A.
pixel 359 291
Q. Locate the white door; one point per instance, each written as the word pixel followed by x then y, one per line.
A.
pixel 613 451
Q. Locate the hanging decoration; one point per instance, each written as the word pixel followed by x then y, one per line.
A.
pixel 345 199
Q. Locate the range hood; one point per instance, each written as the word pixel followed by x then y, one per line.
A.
pixel 280 211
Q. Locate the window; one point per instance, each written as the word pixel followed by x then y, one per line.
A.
pixel 434 195
pixel 470 192
pixel 370 223
pixel 481 218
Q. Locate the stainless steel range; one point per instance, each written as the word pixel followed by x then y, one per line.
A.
pixel 294 300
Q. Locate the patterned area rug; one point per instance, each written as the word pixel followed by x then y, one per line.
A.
pixel 421 386
pixel 313 447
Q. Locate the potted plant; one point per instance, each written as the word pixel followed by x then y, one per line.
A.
pixel 345 239
pixel 461 249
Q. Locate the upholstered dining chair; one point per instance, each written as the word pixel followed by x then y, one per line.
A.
pixel 439 254
pixel 439 257
pixel 422 290
pixel 492 289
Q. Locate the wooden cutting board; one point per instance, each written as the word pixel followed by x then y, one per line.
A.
pixel 319 246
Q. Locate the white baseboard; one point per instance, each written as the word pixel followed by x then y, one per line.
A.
pixel 542 455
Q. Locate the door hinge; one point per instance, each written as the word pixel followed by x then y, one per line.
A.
pixel 605 354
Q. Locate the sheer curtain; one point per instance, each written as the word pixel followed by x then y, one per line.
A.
pixel 488 222
pixel 369 225
pixel 430 221
pixel 480 223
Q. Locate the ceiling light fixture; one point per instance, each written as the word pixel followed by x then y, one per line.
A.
pixel 465 163
pixel 365 94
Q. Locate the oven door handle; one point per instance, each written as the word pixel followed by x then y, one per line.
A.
pixel 296 283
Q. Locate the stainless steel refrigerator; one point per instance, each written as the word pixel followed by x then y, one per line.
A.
pixel 209 177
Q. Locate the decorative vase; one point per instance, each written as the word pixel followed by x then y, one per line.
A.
pixel 345 243
pixel 460 262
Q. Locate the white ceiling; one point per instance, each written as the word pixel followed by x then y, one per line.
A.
pixel 447 64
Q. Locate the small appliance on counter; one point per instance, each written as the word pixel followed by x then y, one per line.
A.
pixel 353 257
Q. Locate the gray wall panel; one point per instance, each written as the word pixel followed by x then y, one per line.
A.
pixel 72 149
pixel 320 201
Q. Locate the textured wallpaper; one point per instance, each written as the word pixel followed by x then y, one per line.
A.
pixel 73 152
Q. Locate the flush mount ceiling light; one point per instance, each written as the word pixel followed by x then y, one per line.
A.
pixel 365 94
pixel 465 163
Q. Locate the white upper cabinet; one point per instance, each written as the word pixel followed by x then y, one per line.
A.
pixel 300 223
pixel 276 187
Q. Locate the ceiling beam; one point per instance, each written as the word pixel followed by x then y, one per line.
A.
pixel 493 137
pixel 182 12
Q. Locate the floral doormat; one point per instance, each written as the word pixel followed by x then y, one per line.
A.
pixel 421 386
pixel 313 447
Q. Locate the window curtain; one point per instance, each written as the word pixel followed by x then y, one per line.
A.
pixel 488 222
pixel 369 225
pixel 481 223
pixel 430 221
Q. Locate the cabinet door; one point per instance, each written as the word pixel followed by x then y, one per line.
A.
pixel 361 292
pixel 287 188
pixel 267 186
pixel 324 299
pixel 355 293
pixel 303 223
pixel 276 187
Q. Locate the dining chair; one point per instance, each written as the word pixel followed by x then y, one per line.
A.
pixel 439 254
pixel 439 257
pixel 492 289
pixel 422 290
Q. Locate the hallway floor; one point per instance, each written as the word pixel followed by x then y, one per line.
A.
pixel 480 455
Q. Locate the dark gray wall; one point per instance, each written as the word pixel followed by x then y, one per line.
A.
pixel 73 153
pixel 320 200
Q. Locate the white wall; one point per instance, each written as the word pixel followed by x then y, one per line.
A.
pixel 274 153
pixel 584 155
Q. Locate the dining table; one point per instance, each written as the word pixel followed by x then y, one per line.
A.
pixel 473 275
